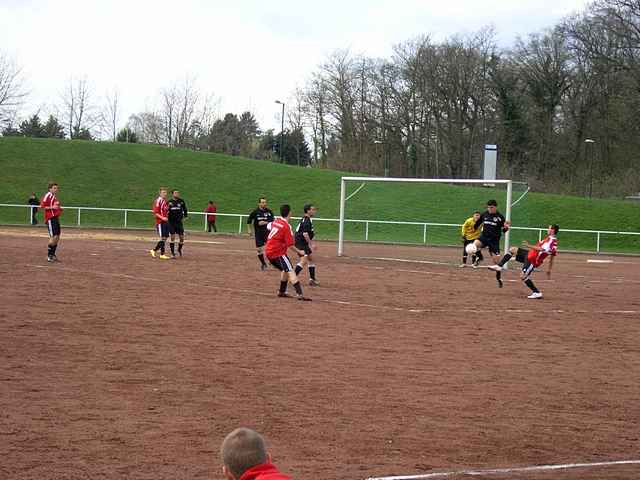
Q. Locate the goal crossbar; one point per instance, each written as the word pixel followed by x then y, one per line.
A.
pixel 343 197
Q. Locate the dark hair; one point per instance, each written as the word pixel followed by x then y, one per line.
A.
pixel 492 203
pixel 556 228
pixel 285 210
pixel 211 201
pixel 307 207
pixel 174 191
pixel 243 449
pixel 478 212
pixel 52 184
pixel 262 198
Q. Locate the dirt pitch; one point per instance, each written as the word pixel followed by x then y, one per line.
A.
pixel 115 365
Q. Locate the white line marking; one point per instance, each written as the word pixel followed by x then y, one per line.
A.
pixel 599 261
pixel 498 471
pixel 406 260
pixel 338 302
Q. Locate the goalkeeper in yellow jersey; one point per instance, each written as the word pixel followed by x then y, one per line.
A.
pixel 469 234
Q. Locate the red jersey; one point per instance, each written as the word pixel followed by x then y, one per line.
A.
pixel 280 238
pixel 265 471
pixel 211 209
pixel 549 246
pixel 160 207
pixel 50 200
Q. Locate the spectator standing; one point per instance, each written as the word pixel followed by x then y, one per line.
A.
pixel 211 217
pixel 35 203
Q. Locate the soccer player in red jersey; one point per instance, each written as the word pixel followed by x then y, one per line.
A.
pixel 280 239
pixel 532 257
pixel 52 211
pixel 161 212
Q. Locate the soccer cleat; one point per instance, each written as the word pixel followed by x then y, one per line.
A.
pixel 173 256
pixel 476 263
pixel 283 295
pixel 263 267
pixel 314 283
pixel 495 268
pixel 535 295
pixel 303 298
pixel 499 283
pixel 180 253
pixel 164 257
pixel 55 258
pixel 153 253
pixel 462 265
pixel 50 259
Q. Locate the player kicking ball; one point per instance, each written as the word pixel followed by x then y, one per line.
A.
pixel 280 239
pixel 493 226
pixel 532 257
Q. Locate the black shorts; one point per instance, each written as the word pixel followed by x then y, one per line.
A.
pixel 521 255
pixel 527 268
pixel 261 239
pixel 162 229
pixel 304 246
pixel 176 227
pixel 493 244
pixel 53 225
pixel 282 263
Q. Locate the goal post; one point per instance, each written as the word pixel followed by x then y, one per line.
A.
pixel 345 180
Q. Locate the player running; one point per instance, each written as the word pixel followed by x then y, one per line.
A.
pixel 52 211
pixel 161 212
pixel 493 226
pixel 177 211
pixel 469 234
pixel 279 241
pixel 532 257
pixel 304 243
pixel 259 219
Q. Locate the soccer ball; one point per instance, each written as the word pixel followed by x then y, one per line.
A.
pixel 471 248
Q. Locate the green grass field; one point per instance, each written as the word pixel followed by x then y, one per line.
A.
pixel 104 174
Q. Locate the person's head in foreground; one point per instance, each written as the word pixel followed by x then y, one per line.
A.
pixel 244 457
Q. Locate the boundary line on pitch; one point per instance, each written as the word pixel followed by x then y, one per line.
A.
pixel 502 471
pixel 335 302
pixel 452 264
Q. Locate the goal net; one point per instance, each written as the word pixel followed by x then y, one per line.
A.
pixel 410 211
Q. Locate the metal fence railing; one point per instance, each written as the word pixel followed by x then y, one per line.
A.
pixel 596 241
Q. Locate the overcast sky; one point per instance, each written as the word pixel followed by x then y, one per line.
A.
pixel 248 53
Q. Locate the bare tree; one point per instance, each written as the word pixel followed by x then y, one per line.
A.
pixel 12 87
pixel 78 110
pixel 111 114
pixel 543 63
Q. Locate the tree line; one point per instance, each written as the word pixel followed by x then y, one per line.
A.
pixel 182 116
pixel 562 105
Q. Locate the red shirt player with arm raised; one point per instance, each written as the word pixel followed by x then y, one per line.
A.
pixel 160 213
pixel 279 240
pixel 50 205
pixel 532 257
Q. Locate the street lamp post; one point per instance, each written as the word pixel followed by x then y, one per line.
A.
pixel 281 132
pixel 589 146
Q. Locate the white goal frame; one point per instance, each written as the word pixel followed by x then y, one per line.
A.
pixel 343 199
